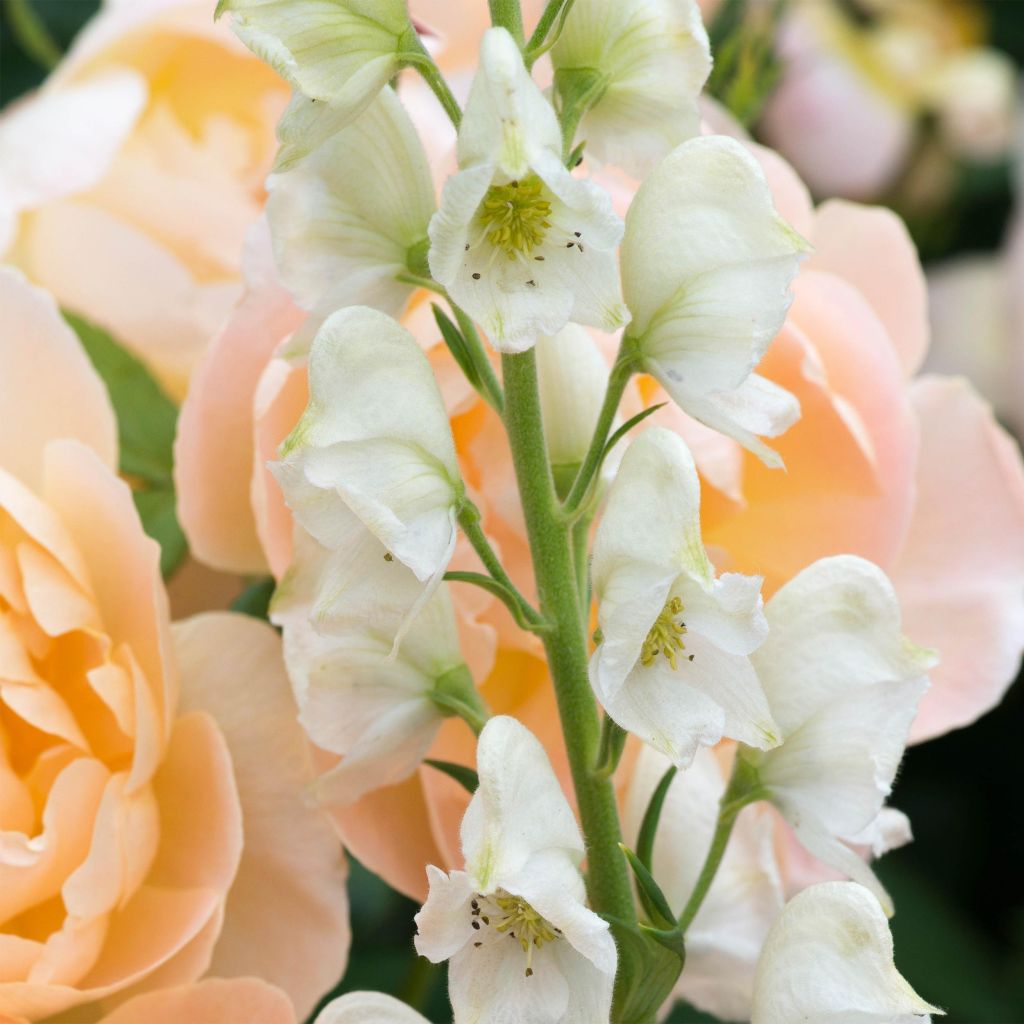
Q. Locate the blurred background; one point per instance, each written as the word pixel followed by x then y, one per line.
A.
pixel 915 104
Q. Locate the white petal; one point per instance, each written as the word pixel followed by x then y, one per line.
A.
pixel 350 213
pixel 729 612
pixel 656 56
pixel 551 883
pixel 829 957
pixel 487 983
pixel 519 808
pixel 375 437
pixel 572 377
pixel 835 771
pixel 834 627
pixel 343 51
pixel 351 589
pixel 757 408
pixel 706 264
pixel 507 120
pixel 443 924
pixel 648 535
pixel 696 704
pixel 368 1008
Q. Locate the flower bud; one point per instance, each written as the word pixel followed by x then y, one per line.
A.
pixel 646 62
pixel 573 377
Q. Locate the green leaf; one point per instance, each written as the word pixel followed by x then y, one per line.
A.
pixel 160 521
pixel 146 423
pixel 653 899
pixel 465 777
pixel 646 975
pixel 649 826
pixel 255 599
pixel 456 345
pixel 627 427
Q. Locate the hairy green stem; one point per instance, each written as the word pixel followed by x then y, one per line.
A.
pixel 543 37
pixel 507 14
pixel 550 544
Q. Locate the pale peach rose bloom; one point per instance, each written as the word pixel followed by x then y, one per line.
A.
pixel 871 469
pixel 130 178
pixel 151 776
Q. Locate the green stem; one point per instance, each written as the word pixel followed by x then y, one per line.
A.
pixel 418 57
pixel 617 381
pixel 744 788
pixel 539 43
pixel 469 520
pixel 507 14
pixel 607 876
pixel 32 34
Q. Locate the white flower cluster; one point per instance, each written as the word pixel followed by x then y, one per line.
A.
pixel 817 688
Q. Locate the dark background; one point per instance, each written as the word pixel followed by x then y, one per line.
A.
pixel 959 887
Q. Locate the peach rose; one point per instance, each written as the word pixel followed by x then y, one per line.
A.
pixel 129 179
pixel 866 469
pixel 151 775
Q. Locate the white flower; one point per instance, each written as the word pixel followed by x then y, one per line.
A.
pixel 353 216
pixel 725 938
pixel 341 52
pixel 370 470
pixel 844 684
pixel 357 700
pixel 706 267
pixel 368 1008
pixel 829 958
pixel 652 57
pixel 572 377
pixel 672 664
pixel 519 242
pixel 522 945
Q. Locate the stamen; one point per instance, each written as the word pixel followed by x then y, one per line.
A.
pixel 516 215
pixel 514 917
pixel 665 636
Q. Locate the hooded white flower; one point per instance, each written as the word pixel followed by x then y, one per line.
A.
pixel 370 470
pixel 652 58
pixel 368 1008
pixel 672 664
pixel 341 52
pixel 519 242
pixel 357 700
pixel 725 938
pixel 353 216
pixel 522 881
pixel 829 958
pixel 844 684
pixel 572 377
pixel 706 268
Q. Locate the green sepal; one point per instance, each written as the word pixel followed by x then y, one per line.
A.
pixel 463 775
pixel 455 695
pixel 652 816
pixel 646 975
pixel 653 899
pixel 579 88
pixel 146 424
pixel 671 938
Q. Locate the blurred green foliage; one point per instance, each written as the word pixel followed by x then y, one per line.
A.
pixel 959 888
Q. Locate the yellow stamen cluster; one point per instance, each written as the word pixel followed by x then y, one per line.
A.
pixel 665 636
pixel 517 216
pixel 515 917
